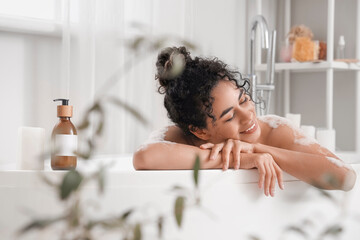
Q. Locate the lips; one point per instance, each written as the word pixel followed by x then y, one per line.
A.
pixel 251 129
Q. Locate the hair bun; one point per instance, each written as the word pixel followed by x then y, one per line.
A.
pixel 170 64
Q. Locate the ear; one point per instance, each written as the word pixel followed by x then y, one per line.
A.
pixel 201 133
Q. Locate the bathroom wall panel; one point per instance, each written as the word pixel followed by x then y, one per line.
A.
pixel 12 86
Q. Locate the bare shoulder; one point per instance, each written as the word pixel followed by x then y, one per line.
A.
pixel 175 134
pixel 286 135
pixel 280 133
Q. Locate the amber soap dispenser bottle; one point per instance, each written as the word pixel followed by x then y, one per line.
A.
pixel 64 139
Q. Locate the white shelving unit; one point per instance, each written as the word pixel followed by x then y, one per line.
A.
pixel 329 66
pixel 311 66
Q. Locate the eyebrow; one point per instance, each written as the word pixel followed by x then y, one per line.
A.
pixel 229 109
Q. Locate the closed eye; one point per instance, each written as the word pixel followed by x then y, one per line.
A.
pixel 230 118
pixel 234 113
pixel 244 100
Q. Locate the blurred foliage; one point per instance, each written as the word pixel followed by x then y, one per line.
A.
pixel 78 226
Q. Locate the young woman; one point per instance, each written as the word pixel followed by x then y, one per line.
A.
pixel 215 118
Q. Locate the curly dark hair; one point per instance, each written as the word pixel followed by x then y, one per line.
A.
pixel 188 98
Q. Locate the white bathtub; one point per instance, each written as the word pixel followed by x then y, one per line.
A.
pixel 238 208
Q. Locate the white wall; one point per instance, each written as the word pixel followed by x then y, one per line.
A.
pixel 33 63
pixel 29 79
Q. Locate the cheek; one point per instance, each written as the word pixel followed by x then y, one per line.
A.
pixel 228 130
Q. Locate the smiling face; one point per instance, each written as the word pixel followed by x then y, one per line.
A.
pixel 234 113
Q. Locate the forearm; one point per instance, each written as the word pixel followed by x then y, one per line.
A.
pixel 167 155
pixel 311 168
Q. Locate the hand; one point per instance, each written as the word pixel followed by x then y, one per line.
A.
pixel 229 146
pixel 269 171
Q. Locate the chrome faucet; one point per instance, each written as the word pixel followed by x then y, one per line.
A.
pixel 267 43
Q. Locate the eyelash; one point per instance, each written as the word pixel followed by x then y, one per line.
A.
pixel 234 113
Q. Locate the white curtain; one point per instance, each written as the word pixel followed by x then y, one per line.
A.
pixel 100 31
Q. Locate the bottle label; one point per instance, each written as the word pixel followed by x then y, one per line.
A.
pixel 65 144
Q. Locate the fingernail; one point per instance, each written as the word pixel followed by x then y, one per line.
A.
pixel 273 192
pixel 267 193
pixel 282 186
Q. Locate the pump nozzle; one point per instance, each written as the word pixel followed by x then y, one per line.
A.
pixel 64 110
pixel 64 101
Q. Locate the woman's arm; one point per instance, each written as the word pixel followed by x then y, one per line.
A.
pixel 314 169
pixel 309 162
pixel 170 155
pixel 172 151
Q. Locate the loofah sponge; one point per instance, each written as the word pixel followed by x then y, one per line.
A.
pixel 299 31
pixel 303 49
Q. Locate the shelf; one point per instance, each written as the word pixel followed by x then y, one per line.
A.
pixel 311 66
pixel 30 26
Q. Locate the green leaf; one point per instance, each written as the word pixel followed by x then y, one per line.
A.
pixel 179 209
pixel 252 237
pixel 85 123
pixel 176 187
pixel 160 225
pixel 136 43
pixel 126 214
pixel 70 183
pixel 85 155
pixel 333 230
pixel 74 215
pixel 297 230
pixel 328 196
pixel 110 224
pixel 39 224
pixel 188 44
pixel 196 170
pixel 94 107
pixel 101 180
pixel 137 232
pixel 331 179
pixel 100 127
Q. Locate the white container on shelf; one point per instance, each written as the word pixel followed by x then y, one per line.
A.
pixel 294 118
pixel 326 138
pixel 31 145
pixel 309 130
pixel 340 51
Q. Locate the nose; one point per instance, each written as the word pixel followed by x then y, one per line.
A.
pixel 245 115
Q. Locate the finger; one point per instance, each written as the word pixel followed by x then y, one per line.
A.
pixel 273 180
pixel 215 151
pixel 206 145
pixel 261 170
pixel 226 154
pixel 267 180
pixel 236 155
pixel 279 175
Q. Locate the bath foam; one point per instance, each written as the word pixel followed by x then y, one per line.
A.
pixel 275 121
pixel 339 163
pixel 156 136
